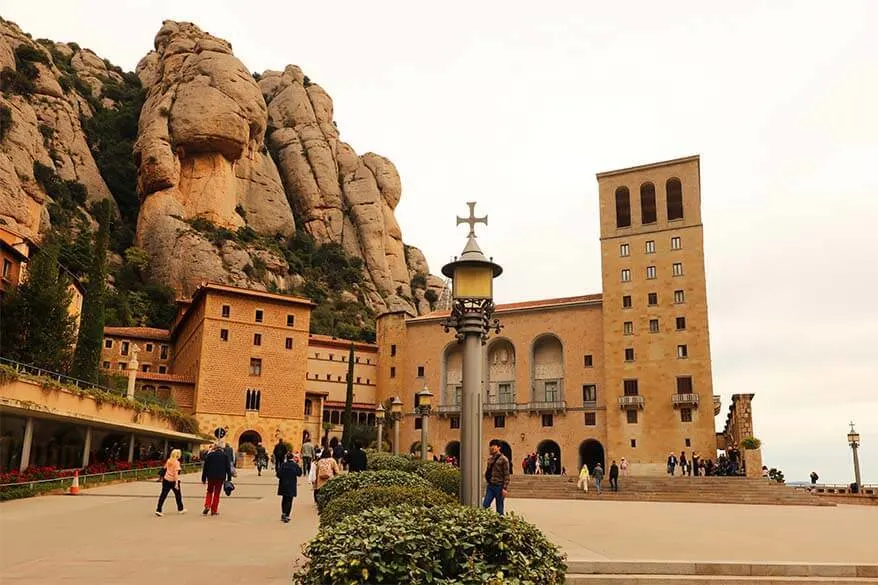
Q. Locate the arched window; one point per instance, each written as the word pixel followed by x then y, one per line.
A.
pixel 308 407
pixel 675 199
pixel 623 207
pixel 647 203
pixel 325 415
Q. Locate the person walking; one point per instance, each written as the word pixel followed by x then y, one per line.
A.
pixel 497 477
pixel 280 452
pixel 357 457
pixel 324 470
pixel 288 477
pixel 683 463
pixel 693 470
pixel 307 453
pixel 672 464
pixel 171 482
pixel 598 475
pixel 614 476
pixel 583 478
pixel 261 458
pixel 216 470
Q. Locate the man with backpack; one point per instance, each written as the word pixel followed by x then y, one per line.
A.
pixel 280 453
pixel 325 469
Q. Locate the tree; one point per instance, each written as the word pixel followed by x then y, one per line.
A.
pixel 87 356
pixel 36 327
pixel 348 403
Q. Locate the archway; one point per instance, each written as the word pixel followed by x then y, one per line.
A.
pixel 507 450
pixel 251 437
pixel 553 450
pixel 452 449
pixel 591 452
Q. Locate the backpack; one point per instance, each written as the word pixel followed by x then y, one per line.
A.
pixel 324 469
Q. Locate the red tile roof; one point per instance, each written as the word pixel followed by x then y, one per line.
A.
pixel 156 377
pixel 542 303
pixel 340 403
pixel 139 332
pixel 339 342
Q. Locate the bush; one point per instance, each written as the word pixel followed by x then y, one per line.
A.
pixel 443 544
pixel 5 121
pixel 380 497
pixel 247 447
pixel 444 478
pixel 342 484
pixel 383 460
pixel 750 443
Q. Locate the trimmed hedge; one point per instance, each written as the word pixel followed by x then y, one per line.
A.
pixel 347 482
pixel 380 497
pixel 444 477
pixel 443 545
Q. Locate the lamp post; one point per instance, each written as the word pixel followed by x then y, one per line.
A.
pixel 424 400
pixel 854 442
pixel 395 415
pixel 472 277
pixel 379 419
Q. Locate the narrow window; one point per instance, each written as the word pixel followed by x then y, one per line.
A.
pixel 259 315
pixel 335 417
pixel 227 310
pixel 288 344
pixel 106 365
pixel 308 407
pixel 678 269
pixel 163 369
pixel 653 325
pixel 328 377
pixel 392 372
pixel 629 354
pixel 675 199
pixel 108 343
pixel 455 422
pixel 291 320
pixel 124 348
pixel 650 246
pixel 590 419
pixel 633 443
pixel 682 352
pixel 7 268
pixel 588 361
pixel 650 272
pixel 248 399
pixel 357 360
pixel 685 415
pixel 500 422
pixel 679 297
pixel 257 339
pixel 255 367
pixel 122 365
pixel 630 387
pixel 589 393
pixel 626 275
pixel 628 328
pixel 684 385
pixel 623 207
pixel 146 367
pixel 148 348
pixel 358 379
pixel 624 250
pixel 164 352
pixel 626 302
pixel 647 203
pixel 325 416
pixel 548 420
pixel 420 371
pixel 688 442
pixel 632 416
pixel 393 350
pixel 681 323
pixel 331 357
pixel 676 244
pixel 419 423
pixel 652 299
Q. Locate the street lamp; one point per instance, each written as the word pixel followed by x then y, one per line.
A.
pixel 379 419
pixel 424 399
pixel 395 415
pixel 471 317
pixel 854 442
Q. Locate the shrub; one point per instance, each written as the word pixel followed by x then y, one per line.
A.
pixel 419 281
pixel 380 497
pixel 444 478
pixel 5 121
pixel 443 544
pixel 750 443
pixel 247 447
pixel 16 82
pixel 342 484
pixel 383 460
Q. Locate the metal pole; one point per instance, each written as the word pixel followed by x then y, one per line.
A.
pixel 856 464
pixel 396 434
pixel 380 440
pixel 471 440
pixel 424 420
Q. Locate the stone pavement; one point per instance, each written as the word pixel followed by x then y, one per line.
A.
pixel 109 535
pixel 662 531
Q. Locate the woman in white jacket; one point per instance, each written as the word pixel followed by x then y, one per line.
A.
pixel 583 478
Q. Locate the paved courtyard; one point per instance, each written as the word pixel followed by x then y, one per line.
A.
pixel 109 535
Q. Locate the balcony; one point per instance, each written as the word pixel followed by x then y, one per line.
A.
pixel 589 404
pixel 717 404
pixel 631 402
pixel 448 409
pixel 685 400
pixel 499 407
pixel 547 406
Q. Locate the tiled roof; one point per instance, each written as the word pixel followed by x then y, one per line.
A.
pixel 340 342
pixel 139 332
pixel 541 303
pixel 156 377
pixel 340 403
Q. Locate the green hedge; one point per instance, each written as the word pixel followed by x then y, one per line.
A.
pixel 356 502
pixel 347 482
pixel 443 476
pixel 443 545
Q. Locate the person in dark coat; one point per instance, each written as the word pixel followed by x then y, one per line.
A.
pixel 216 470
pixel 280 451
pixel 357 458
pixel 288 476
pixel 614 476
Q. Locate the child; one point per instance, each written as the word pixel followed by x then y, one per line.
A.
pixel 288 474
pixel 583 478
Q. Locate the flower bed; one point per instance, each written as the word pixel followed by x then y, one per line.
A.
pixel 34 473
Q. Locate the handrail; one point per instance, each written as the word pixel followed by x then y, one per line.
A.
pixel 636 401
pixel 186 467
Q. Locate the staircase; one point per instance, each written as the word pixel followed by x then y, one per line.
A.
pixel 712 490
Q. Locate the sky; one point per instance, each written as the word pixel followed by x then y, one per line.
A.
pixel 516 105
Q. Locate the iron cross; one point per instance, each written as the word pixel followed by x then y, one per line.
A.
pixel 472 220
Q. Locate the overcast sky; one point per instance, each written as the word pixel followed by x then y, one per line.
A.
pixel 517 105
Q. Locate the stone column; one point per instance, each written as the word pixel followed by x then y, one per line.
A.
pixel 131 449
pixel 86 449
pixel 165 452
pixel 132 370
pixel 27 443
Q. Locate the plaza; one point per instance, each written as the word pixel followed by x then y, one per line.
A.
pixel 109 534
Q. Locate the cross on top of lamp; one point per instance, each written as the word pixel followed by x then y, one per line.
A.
pixel 853 437
pixel 472 275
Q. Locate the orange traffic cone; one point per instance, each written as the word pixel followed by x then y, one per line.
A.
pixel 74 489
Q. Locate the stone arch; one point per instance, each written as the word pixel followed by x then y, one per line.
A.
pixel 591 452
pixel 452 449
pixel 623 207
pixel 500 367
pixel 647 203
pixel 249 436
pixel 547 368
pixel 548 446
pixel 674 192
pixel 452 374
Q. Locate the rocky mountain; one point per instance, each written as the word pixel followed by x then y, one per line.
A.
pixel 213 173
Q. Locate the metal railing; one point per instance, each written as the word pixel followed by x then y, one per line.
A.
pixel 449 408
pixel 509 406
pixel 547 405
pixel 684 400
pixel 631 401
pixel 589 403
pixel 84 479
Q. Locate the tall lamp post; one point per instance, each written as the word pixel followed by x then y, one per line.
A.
pixel 379 419
pixel 854 442
pixel 424 399
pixel 472 277
pixel 395 415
